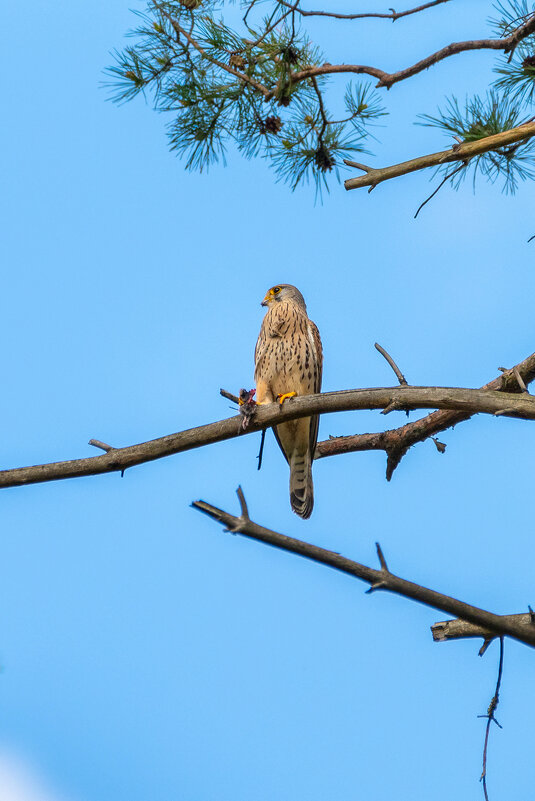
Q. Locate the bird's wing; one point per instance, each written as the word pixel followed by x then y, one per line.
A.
pixel 317 351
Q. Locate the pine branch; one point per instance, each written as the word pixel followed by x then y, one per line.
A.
pixel 381 579
pixel 459 152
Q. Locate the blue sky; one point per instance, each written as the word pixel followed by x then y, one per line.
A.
pixel 146 654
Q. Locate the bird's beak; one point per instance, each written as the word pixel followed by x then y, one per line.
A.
pixel 266 300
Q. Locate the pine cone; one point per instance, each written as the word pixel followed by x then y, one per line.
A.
pixel 324 160
pixel 237 61
pixel 272 125
pixel 529 62
pixel 290 54
pixel 191 5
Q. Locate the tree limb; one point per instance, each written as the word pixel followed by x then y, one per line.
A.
pixel 396 442
pixel 445 630
pixel 388 79
pixel 467 401
pixel 377 579
pixel 459 152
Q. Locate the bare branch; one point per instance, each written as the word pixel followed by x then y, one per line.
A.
pixel 394 15
pixel 459 152
pixel 396 442
pixel 377 579
pixel 388 79
pixel 446 630
pixel 464 401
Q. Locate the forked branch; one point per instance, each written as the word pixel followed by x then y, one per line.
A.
pixel 396 442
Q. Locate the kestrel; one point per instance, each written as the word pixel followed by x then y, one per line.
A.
pixel 288 362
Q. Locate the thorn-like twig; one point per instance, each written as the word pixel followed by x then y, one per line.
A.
pixel 485 645
pixel 503 411
pixel 490 717
pixel 237 526
pixel 393 406
pixel 381 556
pixel 379 585
pixel 229 396
pixel 243 506
pixel 357 166
pixel 102 445
pixel 399 375
pixel 520 380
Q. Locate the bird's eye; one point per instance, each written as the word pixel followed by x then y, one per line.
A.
pixel 276 290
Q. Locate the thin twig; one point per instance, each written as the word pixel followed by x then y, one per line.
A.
pixel 261 451
pixel 439 187
pixel 399 375
pixel 394 15
pixel 268 30
pixel 241 75
pixel 490 717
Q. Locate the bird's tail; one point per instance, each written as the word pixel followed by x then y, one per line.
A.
pixel 301 486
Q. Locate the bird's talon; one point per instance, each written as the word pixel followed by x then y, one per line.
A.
pixel 283 397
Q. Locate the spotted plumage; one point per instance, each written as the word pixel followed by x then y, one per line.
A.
pixel 289 360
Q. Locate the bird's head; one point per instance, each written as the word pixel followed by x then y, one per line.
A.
pixel 283 292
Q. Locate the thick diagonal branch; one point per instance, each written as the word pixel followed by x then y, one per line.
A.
pixel 396 442
pixel 377 579
pixel 463 152
pixel 468 401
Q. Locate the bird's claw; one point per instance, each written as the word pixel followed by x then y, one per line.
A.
pixel 283 396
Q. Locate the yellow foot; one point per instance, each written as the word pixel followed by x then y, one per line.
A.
pixel 282 398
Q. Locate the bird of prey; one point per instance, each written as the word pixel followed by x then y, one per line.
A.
pixel 288 362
